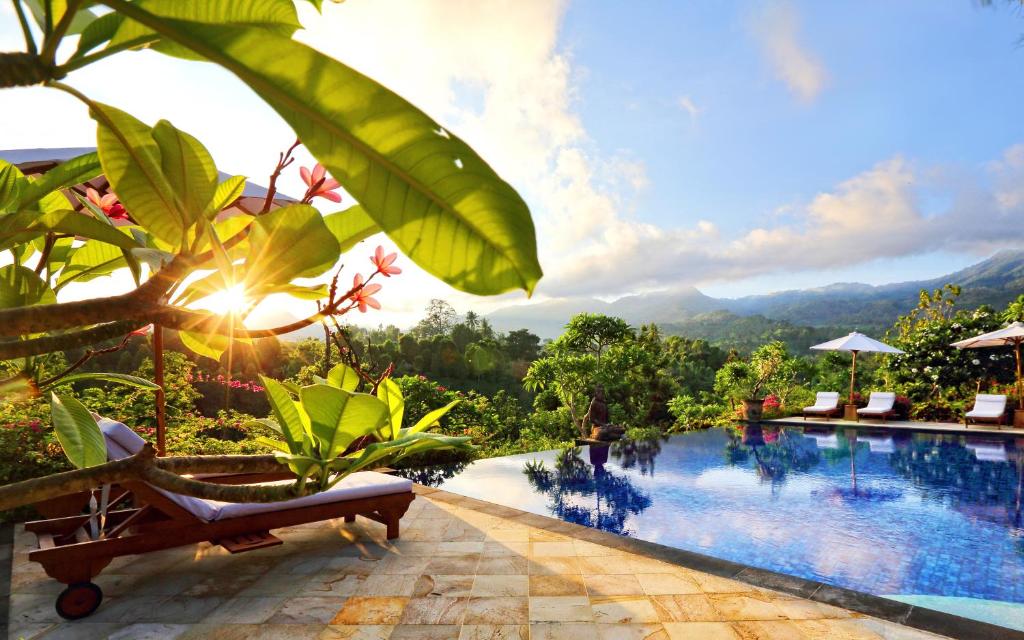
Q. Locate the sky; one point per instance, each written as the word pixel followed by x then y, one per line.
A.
pixel 740 147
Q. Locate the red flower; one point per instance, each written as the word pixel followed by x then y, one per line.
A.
pixel 383 262
pixel 319 184
pixel 107 203
pixel 363 294
pixel 143 331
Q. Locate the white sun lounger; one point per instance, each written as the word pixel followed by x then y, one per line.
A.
pixel 880 405
pixel 155 519
pixel 987 408
pixel 826 403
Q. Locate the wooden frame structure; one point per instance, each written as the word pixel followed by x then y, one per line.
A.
pixel 824 413
pixel 150 521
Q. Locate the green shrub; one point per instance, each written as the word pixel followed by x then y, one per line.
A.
pixel 697 413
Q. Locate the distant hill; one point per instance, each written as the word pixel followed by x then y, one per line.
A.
pixel 687 311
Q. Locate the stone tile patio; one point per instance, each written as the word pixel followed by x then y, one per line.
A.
pixel 456 573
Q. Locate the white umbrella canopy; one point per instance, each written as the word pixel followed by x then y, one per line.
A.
pixel 1012 335
pixel 855 342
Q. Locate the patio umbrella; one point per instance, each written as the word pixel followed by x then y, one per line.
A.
pixel 1012 335
pixel 855 343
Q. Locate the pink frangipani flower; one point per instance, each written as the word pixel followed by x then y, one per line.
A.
pixel 107 203
pixel 363 296
pixel 384 262
pixel 318 184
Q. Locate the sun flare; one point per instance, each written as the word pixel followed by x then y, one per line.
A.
pixel 229 301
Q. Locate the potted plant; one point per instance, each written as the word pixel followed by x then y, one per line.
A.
pixel 742 384
pixel 748 382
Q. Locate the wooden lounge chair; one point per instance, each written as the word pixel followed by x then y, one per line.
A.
pixel 987 408
pixel 881 404
pixel 142 518
pixel 826 403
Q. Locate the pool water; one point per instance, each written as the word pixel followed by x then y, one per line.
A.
pixel 929 519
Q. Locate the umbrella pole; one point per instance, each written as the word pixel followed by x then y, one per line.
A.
pixel 853 375
pixel 1020 378
pixel 158 375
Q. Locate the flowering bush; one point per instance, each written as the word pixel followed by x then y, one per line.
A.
pixel 28 448
pixel 218 393
pixel 936 378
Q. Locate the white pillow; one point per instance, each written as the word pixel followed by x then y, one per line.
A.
pixel 119 433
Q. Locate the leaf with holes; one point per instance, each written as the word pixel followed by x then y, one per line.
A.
pixel 427 189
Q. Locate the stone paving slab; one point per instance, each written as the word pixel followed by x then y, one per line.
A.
pixel 462 570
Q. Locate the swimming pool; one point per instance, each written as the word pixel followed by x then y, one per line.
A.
pixel 933 520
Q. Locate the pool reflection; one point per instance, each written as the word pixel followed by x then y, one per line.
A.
pixel 881 511
pixel 586 493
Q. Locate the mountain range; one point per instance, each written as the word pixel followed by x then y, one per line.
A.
pixel 685 310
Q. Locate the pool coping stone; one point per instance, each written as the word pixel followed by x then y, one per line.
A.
pixel 902 613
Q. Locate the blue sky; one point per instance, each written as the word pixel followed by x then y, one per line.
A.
pixel 742 147
pixel 934 82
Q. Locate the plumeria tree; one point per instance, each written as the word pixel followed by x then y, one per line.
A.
pixel 165 217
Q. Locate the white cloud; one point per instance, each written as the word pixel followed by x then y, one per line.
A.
pixel 687 104
pixel 876 214
pixel 777 30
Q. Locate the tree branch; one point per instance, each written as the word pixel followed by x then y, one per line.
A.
pixel 48 344
pixel 284 159
pixel 161 473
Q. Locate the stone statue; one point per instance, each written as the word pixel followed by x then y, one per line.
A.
pixel 598 419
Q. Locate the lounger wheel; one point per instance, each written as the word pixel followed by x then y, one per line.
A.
pixel 79 600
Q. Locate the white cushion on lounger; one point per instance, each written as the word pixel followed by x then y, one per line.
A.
pixel 126 439
pixel 363 484
pixel 988 405
pixel 123 442
pixel 824 401
pixel 878 403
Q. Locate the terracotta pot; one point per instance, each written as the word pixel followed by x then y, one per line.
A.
pixel 752 410
pixel 1018 418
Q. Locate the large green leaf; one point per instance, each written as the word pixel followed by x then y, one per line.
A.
pixel 21 287
pixel 427 189
pixel 91 260
pixel 210 345
pixel 77 432
pixel 291 418
pixel 97 32
pixel 391 395
pixel 430 420
pixel 189 170
pixel 343 376
pixel 131 160
pixel 290 242
pixel 276 15
pixel 226 193
pixel 68 173
pixel 338 417
pixel 85 226
pixel 119 378
pixel 351 226
pixel 12 184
